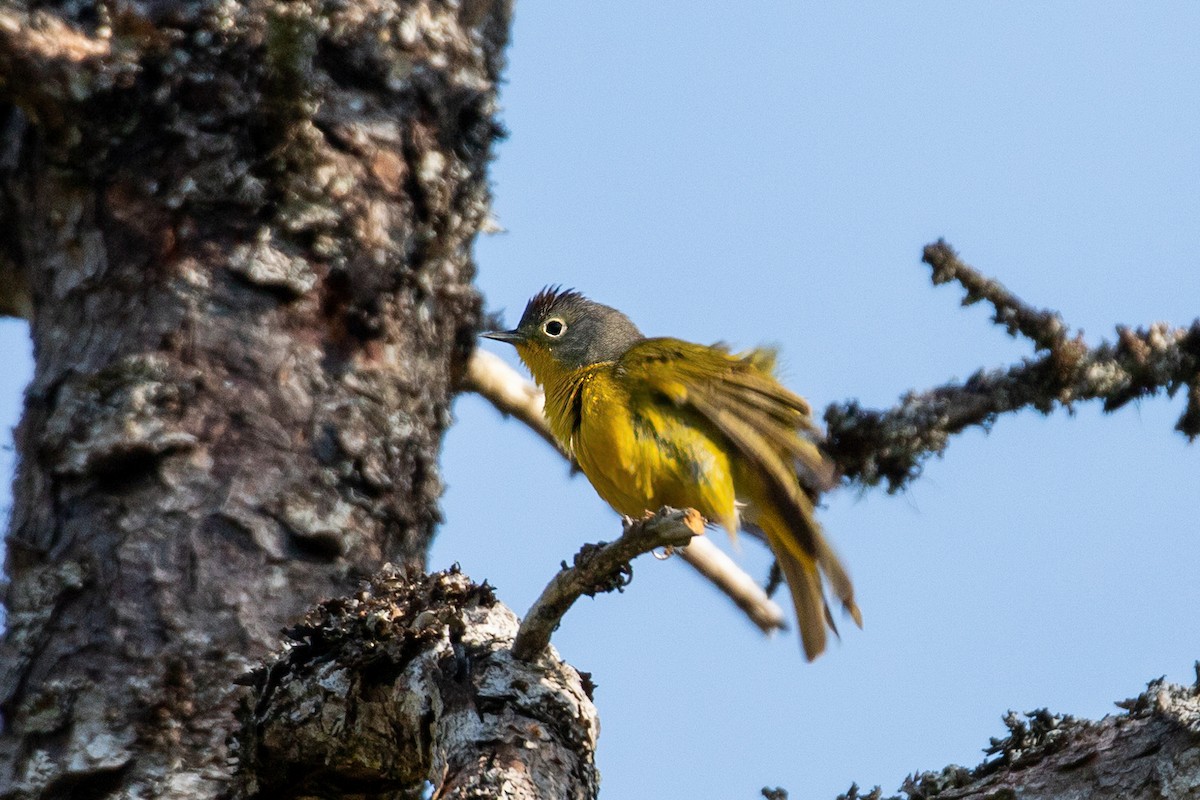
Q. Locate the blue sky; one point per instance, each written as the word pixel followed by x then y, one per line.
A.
pixel 770 176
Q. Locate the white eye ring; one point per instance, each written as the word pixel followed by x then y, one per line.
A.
pixel 554 327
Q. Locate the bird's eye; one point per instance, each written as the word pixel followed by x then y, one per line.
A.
pixel 554 327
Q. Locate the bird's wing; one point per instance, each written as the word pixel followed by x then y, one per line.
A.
pixel 770 428
pixel 742 387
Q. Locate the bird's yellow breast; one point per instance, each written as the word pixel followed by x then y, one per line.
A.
pixel 640 450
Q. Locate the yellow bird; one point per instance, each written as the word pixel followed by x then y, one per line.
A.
pixel 659 422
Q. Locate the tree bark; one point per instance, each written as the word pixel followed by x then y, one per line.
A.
pixel 242 234
pixel 1150 752
pixel 413 682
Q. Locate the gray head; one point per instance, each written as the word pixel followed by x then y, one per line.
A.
pixel 574 331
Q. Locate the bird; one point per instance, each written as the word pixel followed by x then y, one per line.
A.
pixel 656 421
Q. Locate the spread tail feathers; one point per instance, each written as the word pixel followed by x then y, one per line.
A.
pixel 771 432
pixel 785 513
pixel 803 572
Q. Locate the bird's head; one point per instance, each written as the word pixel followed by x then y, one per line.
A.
pixel 562 331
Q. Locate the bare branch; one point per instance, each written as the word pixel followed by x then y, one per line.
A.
pixel 602 567
pixel 1045 328
pixel 724 573
pixel 873 446
pixel 503 387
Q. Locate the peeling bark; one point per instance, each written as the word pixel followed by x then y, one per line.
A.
pixel 412 681
pixel 242 235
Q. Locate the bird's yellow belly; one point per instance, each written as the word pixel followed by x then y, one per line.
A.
pixel 660 456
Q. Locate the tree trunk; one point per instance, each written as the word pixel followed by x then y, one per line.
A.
pixel 242 233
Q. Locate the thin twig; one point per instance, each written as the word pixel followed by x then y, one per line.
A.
pixel 511 394
pixel 724 573
pixel 599 568
pixel 1045 328
pixel 503 387
pixel 874 446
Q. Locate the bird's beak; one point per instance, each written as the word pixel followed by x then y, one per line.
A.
pixel 512 337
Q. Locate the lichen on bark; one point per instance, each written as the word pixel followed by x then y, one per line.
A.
pixel 407 682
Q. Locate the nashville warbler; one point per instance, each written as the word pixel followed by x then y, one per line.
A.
pixel 662 422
